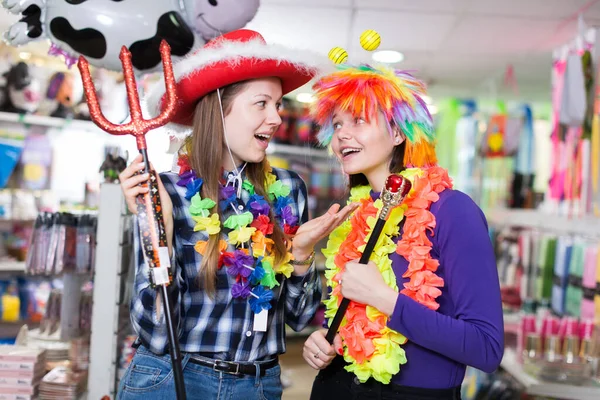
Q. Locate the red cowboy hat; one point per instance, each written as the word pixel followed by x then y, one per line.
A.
pixel 234 57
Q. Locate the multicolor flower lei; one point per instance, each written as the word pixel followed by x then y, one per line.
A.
pixel 251 263
pixel 370 347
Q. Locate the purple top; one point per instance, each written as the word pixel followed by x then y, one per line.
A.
pixel 468 327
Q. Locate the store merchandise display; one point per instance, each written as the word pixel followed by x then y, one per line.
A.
pixel 556 271
pixel 62 383
pixel 21 370
pixel 23 299
pixel 560 350
pixel 127 353
pixel 62 243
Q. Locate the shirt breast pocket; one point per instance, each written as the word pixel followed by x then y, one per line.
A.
pixel 191 259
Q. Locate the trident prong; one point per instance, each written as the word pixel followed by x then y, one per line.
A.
pixel 138 126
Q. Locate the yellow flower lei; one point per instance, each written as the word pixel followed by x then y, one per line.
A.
pixel 380 355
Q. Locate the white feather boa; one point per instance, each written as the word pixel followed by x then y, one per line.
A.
pixel 234 53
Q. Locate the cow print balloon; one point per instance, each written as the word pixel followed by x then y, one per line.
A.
pixel 98 30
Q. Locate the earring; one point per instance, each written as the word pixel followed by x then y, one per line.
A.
pixel 397 140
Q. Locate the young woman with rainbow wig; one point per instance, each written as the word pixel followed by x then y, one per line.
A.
pixel 428 303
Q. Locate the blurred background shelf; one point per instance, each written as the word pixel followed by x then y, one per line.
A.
pixel 535 387
pixel 42 120
pixel 10 266
pixel 295 150
pixel 537 219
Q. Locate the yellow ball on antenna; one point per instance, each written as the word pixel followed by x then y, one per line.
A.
pixel 370 40
pixel 338 55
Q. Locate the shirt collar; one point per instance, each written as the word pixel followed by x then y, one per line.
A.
pixel 225 173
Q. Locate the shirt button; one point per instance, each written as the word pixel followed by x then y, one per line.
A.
pixel 305 284
pixel 248 333
pixel 356 381
pixel 240 208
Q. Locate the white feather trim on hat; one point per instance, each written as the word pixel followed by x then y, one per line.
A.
pixel 234 53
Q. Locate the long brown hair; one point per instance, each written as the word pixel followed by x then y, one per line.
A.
pixel 205 149
pixel 396 166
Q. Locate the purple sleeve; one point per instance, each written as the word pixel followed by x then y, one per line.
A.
pixel 474 333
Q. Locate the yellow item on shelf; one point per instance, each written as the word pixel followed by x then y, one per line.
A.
pixel 11 306
pixel 278 162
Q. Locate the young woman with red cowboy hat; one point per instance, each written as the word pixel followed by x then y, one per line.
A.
pixel 238 230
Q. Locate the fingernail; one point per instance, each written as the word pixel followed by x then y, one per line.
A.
pixel 340 350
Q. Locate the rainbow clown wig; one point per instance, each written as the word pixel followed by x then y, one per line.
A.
pixel 366 89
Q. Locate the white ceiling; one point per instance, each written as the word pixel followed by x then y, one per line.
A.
pixel 460 47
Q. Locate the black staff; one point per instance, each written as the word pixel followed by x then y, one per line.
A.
pixel 396 189
pixel 150 218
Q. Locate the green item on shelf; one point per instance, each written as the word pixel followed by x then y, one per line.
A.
pixel 574 294
pixel 546 269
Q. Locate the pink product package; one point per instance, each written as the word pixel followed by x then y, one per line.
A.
pixel 590 268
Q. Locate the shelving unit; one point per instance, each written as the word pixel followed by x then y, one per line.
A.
pixel 536 387
pixel 12 267
pixel 549 222
pixel 302 151
pixel 41 120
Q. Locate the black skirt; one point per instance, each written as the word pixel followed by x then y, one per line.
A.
pixel 334 382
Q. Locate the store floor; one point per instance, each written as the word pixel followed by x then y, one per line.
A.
pixel 296 371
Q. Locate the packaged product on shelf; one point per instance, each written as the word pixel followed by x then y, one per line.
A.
pixel 5 205
pixel 64 260
pixel 79 353
pixel 21 370
pixel 561 351
pixel 320 179
pixel 62 242
pixel 85 311
pixel 63 383
pixel 283 133
pixel 34 296
pixel 36 160
pixel 305 128
pixel 10 304
pixel 338 184
pixel 11 146
pixel 51 321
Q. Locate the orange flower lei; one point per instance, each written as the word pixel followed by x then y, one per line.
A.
pixel 371 348
pixel 415 246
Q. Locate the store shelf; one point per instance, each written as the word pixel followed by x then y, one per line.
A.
pixel 40 120
pixel 304 151
pixel 535 387
pixel 547 222
pixel 12 267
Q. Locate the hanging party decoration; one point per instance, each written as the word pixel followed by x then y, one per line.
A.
pixel 97 30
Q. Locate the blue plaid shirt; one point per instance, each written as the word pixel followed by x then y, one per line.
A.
pixel 222 325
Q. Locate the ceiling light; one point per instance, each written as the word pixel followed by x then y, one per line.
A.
pixel 305 98
pixel 427 100
pixel 388 56
pixel 432 109
pixel 24 55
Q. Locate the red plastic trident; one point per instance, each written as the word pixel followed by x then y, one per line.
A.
pixel 150 221
pixel 138 126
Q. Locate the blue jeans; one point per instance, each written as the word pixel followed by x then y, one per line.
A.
pixel 151 377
